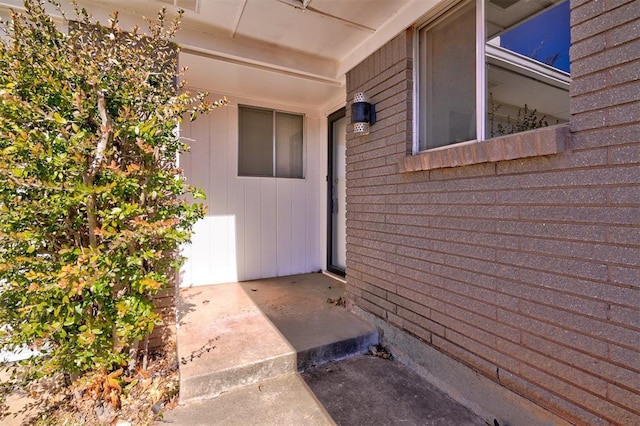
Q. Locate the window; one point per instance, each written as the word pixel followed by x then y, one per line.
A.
pixel 520 83
pixel 270 143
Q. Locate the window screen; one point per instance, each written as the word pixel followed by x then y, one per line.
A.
pixel 449 80
pixel 256 142
pixel 288 145
pixel 271 143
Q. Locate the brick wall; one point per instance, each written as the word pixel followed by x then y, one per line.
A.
pixel 163 336
pixel 526 270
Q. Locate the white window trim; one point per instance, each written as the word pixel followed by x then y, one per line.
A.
pixel 541 71
pixel 448 7
pixel 481 71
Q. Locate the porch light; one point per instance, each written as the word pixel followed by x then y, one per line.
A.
pixel 363 114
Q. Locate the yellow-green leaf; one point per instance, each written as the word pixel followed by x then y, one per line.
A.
pixel 58 118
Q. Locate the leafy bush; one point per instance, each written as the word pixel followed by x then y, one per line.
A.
pixel 525 120
pixel 92 205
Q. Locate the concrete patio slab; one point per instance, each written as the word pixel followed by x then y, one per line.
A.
pixel 306 309
pixel 238 334
pixel 243 344
pixel 225 341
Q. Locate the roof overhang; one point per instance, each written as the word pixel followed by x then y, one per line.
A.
pixel 312 43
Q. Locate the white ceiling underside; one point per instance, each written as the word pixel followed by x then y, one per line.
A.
pixel 325 30
pixel 290 51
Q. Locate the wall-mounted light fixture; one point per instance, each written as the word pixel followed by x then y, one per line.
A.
pixel 363 114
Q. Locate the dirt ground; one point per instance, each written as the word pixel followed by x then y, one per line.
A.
pixel 146 394
pixel 15 403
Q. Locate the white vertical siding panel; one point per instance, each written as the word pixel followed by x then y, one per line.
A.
pixel 184 161
pixel 199 153
pixel 298 226
pixel 236 193
pixel 316 187
pixel 199 259
pixel 252 230
pixel 283 225
pixel 269 231
pixel 221 241
pixel 255 227
pixel 219 144
pixel 200 177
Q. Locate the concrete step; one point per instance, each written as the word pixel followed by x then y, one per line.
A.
pixel 335 351
pixel 238 334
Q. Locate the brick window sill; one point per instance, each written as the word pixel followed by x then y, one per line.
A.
pixel 534 143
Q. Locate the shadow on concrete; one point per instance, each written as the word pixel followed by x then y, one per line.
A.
pixel 367 390
pixel 310 312
pixel 241 346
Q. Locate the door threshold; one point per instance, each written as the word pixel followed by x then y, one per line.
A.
pixel 334 276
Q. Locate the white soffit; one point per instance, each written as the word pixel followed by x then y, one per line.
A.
pixel 313 40
pixel 410 13
pixel 321 38
pixel 297 29
pixel 314 37
pixel 261 86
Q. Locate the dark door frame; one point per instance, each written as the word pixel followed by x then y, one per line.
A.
pixel 333 117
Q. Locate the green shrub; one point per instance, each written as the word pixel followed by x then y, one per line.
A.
pixel 92 205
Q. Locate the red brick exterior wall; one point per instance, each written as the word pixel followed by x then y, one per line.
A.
pixel 526 270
